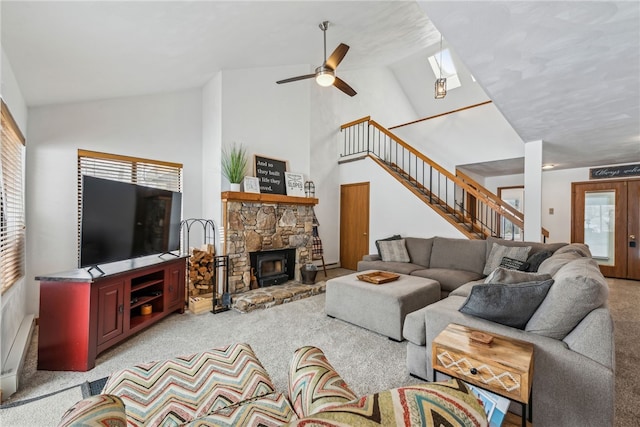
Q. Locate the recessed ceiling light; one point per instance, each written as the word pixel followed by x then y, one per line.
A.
pixel 547 166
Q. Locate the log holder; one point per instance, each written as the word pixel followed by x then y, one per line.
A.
pixel 221 298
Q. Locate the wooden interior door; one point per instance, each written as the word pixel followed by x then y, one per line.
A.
pixel 606 216
pixel 633 230
pixel 354 223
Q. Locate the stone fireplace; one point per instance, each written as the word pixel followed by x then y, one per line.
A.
pixel 255 222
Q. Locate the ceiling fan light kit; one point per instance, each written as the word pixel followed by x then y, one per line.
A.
pixel 325 75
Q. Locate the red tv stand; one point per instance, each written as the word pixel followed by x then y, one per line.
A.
pixel 82 315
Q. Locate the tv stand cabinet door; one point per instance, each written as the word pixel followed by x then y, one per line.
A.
pixel 174 286
pixel 110 310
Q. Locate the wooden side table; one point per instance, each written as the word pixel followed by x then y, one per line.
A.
pixel 504 367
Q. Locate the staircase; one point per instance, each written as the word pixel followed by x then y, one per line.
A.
pixel 463 202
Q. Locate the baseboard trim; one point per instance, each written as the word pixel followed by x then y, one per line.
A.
pixel 9 380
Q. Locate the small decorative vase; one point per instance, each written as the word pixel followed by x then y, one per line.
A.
pixel 234 186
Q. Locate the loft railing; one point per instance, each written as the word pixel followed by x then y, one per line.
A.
pixel 469 206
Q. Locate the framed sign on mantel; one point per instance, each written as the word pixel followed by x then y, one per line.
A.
pixel 270 172
pixel 295 184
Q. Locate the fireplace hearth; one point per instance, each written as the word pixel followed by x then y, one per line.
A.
pixel 273 267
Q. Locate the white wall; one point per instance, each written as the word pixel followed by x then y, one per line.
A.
pixel 269 119
pixel 160 127
pixel 247 107
pixel 381 97
pixel 393 208
pixel 211 148
pixel 13 304
pixel 556 194
pixel 472 136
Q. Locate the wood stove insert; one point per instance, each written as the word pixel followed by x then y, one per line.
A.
pixel 273 267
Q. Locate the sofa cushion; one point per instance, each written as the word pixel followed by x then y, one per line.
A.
pixel 314 385
pixel 99 410
pixel 270 410
pixel 394 237
pixel 503 275
pixel 449 279
pixel 579 288
pixel 536 259
pixel 579 248
pixel 507 304
pixel 555 262
pixel 181 389
pixel 465 290
pixel 449 403
pixel 396 267
pixel 498 252
pixel 419 250
pixel 535 246
pixel 458 254
pixel 394 251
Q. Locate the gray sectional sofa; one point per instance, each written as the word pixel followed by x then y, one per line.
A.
pixel 571 329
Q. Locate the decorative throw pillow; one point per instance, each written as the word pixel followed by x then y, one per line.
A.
pixel 507 304
pixel 394 250
pixel 506 276
pixel 536 259
pixel 498 252
pixel 394 237
pixel 513 264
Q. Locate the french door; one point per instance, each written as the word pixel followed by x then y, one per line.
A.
pixel 606 216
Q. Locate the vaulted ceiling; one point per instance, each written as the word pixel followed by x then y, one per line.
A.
pixel 566 73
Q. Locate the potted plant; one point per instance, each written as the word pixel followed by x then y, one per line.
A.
pixel 234 164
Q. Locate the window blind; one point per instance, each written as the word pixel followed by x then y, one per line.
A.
pixel 134 170
pixel 12 222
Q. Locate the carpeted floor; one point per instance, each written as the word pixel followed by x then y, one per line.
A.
pixel 367 361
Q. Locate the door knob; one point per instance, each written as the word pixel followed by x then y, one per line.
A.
pixel 632 236
pixel 364 234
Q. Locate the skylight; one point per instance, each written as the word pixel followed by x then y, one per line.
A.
pixel 448 68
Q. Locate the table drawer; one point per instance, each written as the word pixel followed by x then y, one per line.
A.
pixel 493 377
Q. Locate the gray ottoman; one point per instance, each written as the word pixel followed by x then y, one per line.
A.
pixel 379 308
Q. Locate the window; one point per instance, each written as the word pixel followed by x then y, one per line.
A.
pixel 12 223
pixel 150 173
pixel 448 68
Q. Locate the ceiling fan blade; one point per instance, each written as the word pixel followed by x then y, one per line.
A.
pixel 337 56
pixel 343 86
pixel 294 79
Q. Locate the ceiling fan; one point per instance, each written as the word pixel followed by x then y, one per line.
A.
pixel 325 74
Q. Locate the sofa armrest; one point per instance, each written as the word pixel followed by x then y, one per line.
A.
pixel 592 337
pixel 414 328
pixel 445 403
pixel 372 257
pixel 102 409
pixel 314 385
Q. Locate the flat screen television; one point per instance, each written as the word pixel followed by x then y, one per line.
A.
pixel 121 221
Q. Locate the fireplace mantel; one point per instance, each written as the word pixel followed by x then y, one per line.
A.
pixel 239 196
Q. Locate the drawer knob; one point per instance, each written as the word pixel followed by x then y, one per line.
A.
pixel 473 371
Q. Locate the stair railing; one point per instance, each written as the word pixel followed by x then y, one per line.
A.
pixel 472 210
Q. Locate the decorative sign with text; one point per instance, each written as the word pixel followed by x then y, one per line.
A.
pixel 271 174
pixel 295 184
pixel 624 171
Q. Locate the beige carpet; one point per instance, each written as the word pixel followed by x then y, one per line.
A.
pixel 368 362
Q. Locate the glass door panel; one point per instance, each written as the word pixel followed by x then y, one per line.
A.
pixel 599 225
